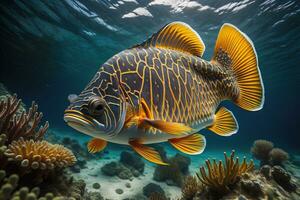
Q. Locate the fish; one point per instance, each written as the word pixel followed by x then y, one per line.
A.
pixel 162 90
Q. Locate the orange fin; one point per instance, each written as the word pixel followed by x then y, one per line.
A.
pixel 192 144
pixel 225 123
pixel 96 145
pixel 172 128
pixel 146 152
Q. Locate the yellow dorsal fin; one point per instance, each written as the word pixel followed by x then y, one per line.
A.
pixel 235 51
pixel 224 123
pixel 177 36
pixel 146 152
pixel 96 145
pixel 192 144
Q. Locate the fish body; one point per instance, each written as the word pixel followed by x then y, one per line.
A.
pixel 162 90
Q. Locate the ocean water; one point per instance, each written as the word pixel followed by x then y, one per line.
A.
pixel 50 49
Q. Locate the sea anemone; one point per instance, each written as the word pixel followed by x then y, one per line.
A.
pixel 39 154
pixel 261 150
pixel 24 125
pixel 220 176
pixel 278 156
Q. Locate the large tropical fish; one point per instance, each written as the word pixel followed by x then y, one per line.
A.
pixel 162 90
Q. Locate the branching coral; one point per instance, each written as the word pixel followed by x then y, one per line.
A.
pixel 23 125
pixel 219 176
pixel 39 154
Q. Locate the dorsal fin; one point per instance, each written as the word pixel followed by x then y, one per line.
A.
pixel 177 36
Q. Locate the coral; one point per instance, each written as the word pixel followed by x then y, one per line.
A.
pixel 23 125
pixel 119 191
pixel 261 150
pixel 117 169
pixel 153 188
pixel 174 173
pixel 277 156
pixel 266 171
pixel 190 188
pixel 96 186
pixel 220 176
pixel 39 154
pixel 252 187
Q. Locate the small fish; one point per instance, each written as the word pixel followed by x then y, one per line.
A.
pixel 162 90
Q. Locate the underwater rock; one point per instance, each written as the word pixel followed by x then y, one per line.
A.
pixel 277 156
pixel 119 191
pixel 124 173
pixel 266 171
pixel 116 169
pixel 133 160
pixel 93 196
pixel 128 185
pixel 283 178
pixel 96 186
pixel 261 149
pixel 152 188
pixel 252 188
pixel 175 172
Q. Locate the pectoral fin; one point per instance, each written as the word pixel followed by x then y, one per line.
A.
pixel 96 145
pixel 192 144
pixel 146 152
pixel 225 123
pixel 172 128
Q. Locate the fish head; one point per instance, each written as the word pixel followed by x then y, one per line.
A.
pixel 99 110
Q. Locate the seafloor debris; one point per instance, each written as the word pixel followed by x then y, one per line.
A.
pixel 264 151
pixel 20 125
pixel 39 154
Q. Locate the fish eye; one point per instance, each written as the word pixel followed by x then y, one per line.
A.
pixel 96 106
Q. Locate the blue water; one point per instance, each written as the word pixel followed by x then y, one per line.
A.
pixel 51 49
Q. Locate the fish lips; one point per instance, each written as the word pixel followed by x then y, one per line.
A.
pixel 82 122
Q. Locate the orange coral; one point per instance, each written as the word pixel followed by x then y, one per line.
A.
pixel 39 154
pixel 220 176
pixel 20 125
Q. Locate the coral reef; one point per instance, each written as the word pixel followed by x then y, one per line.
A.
pixel 39 154
pixel 175 172
pixel 132 160
pixel 244 182
pixel 20 125
pixel 265 152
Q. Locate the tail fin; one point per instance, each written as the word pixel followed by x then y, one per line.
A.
pixel 234 50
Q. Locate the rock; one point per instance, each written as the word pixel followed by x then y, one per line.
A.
pixel 128 185
pixel 75 169
pixel 96 185
pixel 176 170
pixel 133 160
pixel 135 173
pixel 81 163
pixel 111 169
pixel 170 182
pixel 252 187
pixel 93 196
pixel 125 173
pixel 119 191
pixel 152 188
pixel 266 171
pixel 283 178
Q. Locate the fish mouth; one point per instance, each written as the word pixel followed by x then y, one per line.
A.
pixel 82 122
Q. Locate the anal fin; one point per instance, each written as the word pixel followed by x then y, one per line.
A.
pixel 146 152
pixel 192 144
pixel 96 145
pixel 225 123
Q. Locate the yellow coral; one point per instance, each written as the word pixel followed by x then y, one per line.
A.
pixel 219 176
pixel 39 154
